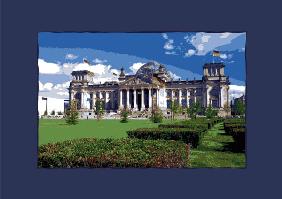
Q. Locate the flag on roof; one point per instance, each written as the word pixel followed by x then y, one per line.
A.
pixel 44 98
pixel 86 61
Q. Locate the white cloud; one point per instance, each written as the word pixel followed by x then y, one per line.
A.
pixel 190 52
pixel 164 35
pixel 136 66
pixel 52 104
pixel 206 42
pixel 236 91
pixel 223 56
pixel 225 35
pixel 170 52
pixel 45 87
pixel 174 76
pixel 99 61
pixel 205 38
pixel 63 93
pixel 48 68
pixel 71 56
pixel 169 45
pixel 200 47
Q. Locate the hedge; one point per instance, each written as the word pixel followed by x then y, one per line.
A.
pixel 120 153
pixel 237 129
pixel 191 136
pixel 203 126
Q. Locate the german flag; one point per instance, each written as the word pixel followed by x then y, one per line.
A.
pixel 114 74
pixel 44 98
pixel 215 53
pixel 86 61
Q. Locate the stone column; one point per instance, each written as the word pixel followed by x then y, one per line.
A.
pixel 112 100
pixel 106 100
pixel 150 98
pixel 172 95
pixel 82 97
pixel 134 99
pixel 127 99
pixel 180 97
pixel 158 94
pixel 208 95
pixel 120 100
pixel 187 98
pixel 142 99
pixel 100 95
pixel 93 100
pixel 195 95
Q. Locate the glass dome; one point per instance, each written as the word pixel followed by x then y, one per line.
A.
pixel 147 71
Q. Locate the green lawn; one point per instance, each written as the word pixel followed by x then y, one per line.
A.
pixel 58 130
pixel 216 151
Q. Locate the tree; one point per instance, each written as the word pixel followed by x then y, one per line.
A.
pixel 226 108
pixel 157 116
pixel 72 114
pixel 210 112
pixel 99 108
pixel 124 115
pixel 53 112
pixel 239 107
pixel 193 110
pixel 175 109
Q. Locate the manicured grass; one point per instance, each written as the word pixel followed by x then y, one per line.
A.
pixel 51 131
pixel 216 151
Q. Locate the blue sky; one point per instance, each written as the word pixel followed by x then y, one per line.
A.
pixel 183 53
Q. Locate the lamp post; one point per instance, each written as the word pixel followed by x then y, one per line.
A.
pixel 45 98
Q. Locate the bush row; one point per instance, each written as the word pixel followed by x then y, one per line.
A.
pixel 191 136
pixel 201 123
pixel 237 129
pixel 95 153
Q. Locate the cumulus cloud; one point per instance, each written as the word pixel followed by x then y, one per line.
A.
pixel 190 52
pixel 236 91
pixel 169 45
pixel 45 87
pixel 52 104
pixel 99 61
pixel 174 76
pixel 164 35
pixel 225 35
pixel 205 38
pixel 48 68
pixel 206 42
pixel 71 56
pixel 223 56
pixel 135 67
pixel 170 52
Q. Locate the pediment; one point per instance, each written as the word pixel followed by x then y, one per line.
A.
pixel 133 81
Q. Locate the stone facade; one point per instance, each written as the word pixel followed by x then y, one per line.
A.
pixel 150 87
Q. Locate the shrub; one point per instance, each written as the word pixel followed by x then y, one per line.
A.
pixel 95 153
pixel 157 116
pixel 124 115
pixel 237 129
pixel 72 114
pixel 99 108
pixel 203 127
pixel 191 136
pixel 53 112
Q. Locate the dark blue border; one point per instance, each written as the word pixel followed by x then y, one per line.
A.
pixel 22 20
